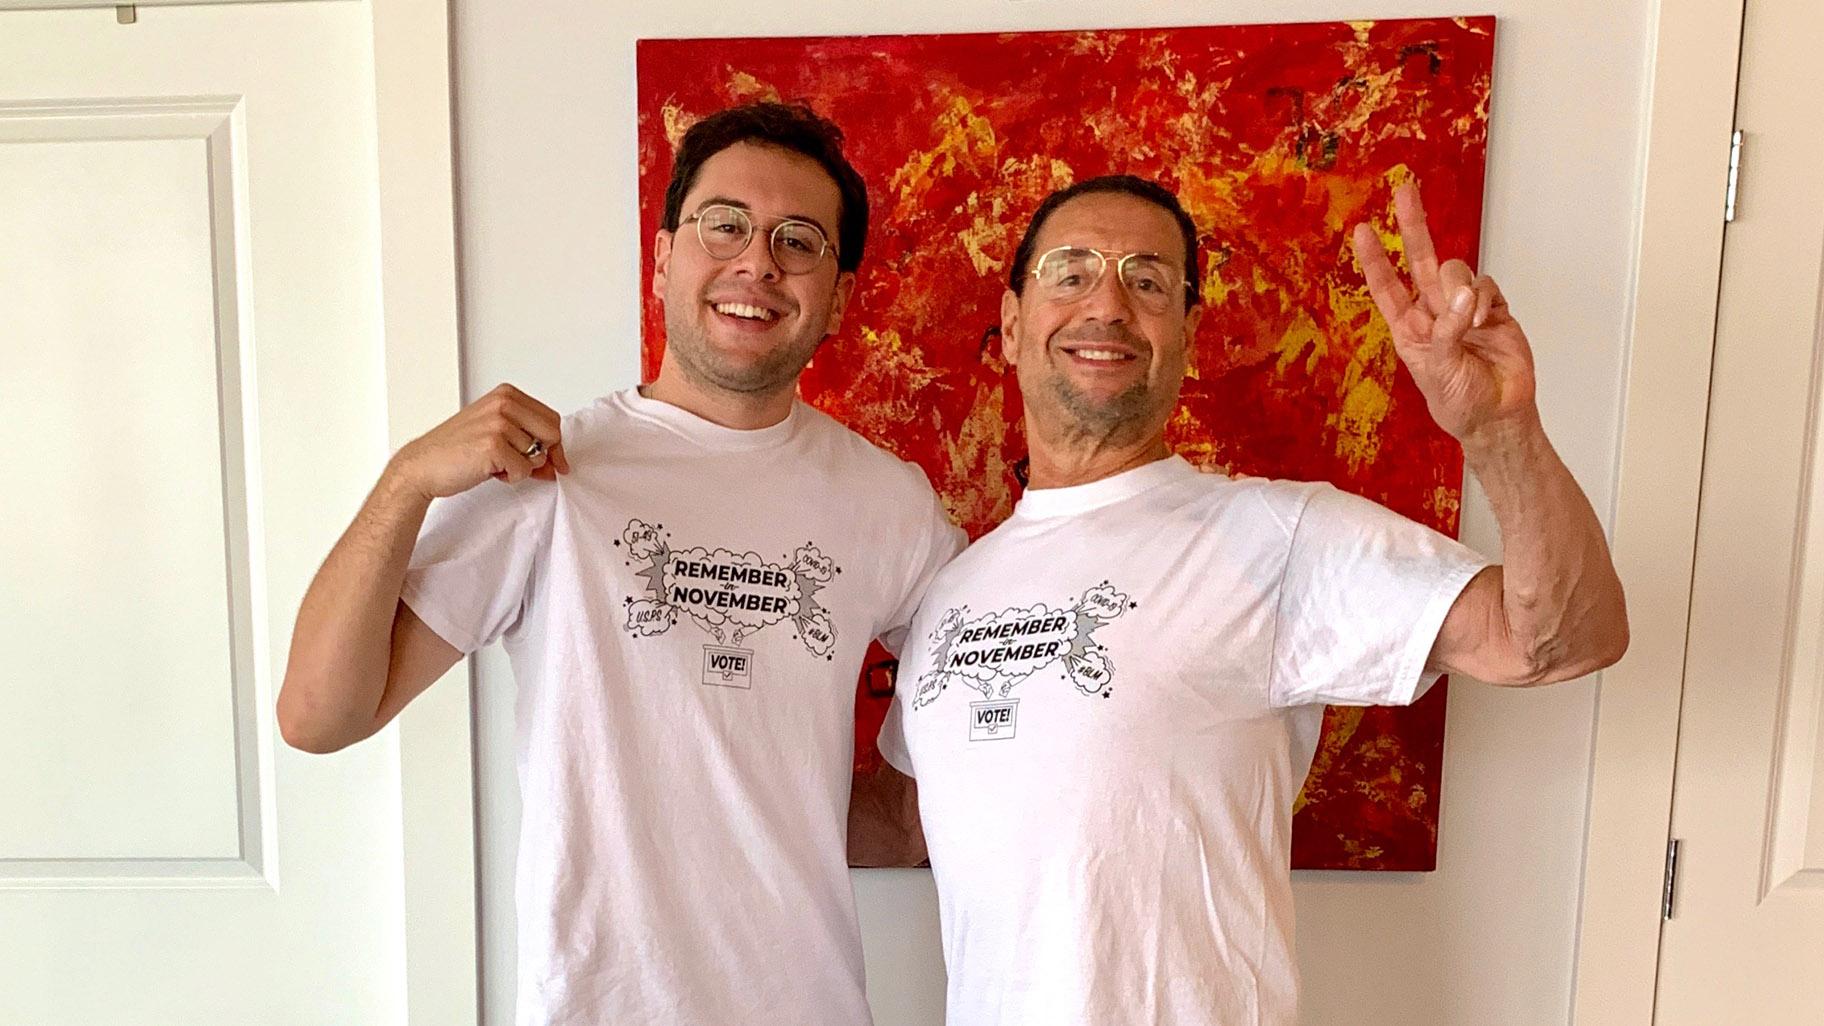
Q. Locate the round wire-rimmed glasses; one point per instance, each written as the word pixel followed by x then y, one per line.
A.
pixel 726 231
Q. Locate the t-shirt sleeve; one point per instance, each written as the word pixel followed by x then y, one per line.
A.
pixel 470 569
pixel 892 740
pixel 1364 595
pixel 936 543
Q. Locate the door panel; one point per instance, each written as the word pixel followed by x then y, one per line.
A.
pixel 192 388
pixel 1747 934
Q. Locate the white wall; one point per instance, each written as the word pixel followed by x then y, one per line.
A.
pixel 550 257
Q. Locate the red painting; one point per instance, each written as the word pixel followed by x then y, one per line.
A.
pixel 1278 138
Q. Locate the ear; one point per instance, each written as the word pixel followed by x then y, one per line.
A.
pixel 839 303
pixel 661 262
pixel 1010 327
pixel 1192 318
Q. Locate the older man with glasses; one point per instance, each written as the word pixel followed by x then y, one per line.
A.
pixel 1110 700
pixel 685 609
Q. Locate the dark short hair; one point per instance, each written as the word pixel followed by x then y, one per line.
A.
pixel 1130 185
pixel 789 126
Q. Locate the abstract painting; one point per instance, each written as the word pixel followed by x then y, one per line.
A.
pixel 1278 138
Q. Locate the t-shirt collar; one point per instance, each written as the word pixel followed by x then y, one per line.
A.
pixel 706 433
pixel 1055 502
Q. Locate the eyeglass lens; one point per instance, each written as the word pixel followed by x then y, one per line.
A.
pixel 1071 273
pixel 725 232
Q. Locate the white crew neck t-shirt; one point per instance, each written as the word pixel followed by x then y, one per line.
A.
pixel 1110 702
pixel 686 613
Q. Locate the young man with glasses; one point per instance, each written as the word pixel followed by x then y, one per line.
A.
pixel 687 576
pixel 1110 700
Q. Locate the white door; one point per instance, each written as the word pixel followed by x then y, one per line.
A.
pixel 193 394
pixel 1745 943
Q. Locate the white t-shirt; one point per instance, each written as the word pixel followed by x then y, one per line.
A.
pixel 686 612
pixel 1110 702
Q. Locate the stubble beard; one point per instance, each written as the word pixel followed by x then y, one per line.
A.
pixel 1119 415
pixel 1124 417
pixel 709 368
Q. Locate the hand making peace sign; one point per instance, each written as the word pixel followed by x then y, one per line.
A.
pixel 1451 328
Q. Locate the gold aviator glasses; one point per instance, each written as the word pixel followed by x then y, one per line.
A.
pixel 1068 273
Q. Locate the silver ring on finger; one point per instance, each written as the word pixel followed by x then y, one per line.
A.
pixel 533 451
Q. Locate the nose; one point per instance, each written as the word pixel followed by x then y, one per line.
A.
pixel 757 259
pixel 1109 301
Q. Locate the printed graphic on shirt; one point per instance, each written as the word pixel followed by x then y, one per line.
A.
pixel 995 652
pixel 731 595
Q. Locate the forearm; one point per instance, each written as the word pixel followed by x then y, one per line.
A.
pixel 1562 610
pixel 341 648
pixel 884 828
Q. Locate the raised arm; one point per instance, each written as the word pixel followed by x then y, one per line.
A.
pixel 358 654
pixel 1554 610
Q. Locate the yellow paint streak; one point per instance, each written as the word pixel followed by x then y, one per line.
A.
pixel 1102 44
pixel 1348 202
pixel 1340 725
pixel 1213 198
pixel 1035 177
pixel 1358 423
pixel 1202 191
pixel 677 122
pixel 987 230
pixel 745 88
pixel 1358 852
pixel 1215 291
pixel 894 374
pixel 1445 504
pixel 1196 443
pixel 1301 335
pixel 1470 121
pixel 973 455
pixel 964 139
pixel 1365 400
pixel 1265 286
pixel 1385 225
pixel 901 365
pixel 1416 800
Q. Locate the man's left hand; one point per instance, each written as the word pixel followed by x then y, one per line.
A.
pixel 1451 328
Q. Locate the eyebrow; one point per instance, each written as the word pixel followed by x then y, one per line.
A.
pixel 730 201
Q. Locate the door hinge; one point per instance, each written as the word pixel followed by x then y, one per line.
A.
pixel 1735 176
pixel 1671 884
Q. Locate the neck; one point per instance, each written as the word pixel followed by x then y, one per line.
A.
pixel 743 411
pixel 1065 459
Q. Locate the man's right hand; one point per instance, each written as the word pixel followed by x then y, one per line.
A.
pixel 488 438
pixel 359 654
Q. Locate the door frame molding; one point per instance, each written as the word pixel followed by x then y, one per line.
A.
pixel 72 5
pixel 415 138
pixel 415 141
pixel 1691 111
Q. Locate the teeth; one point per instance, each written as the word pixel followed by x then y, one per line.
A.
pixel 743 310
pixel 1100 354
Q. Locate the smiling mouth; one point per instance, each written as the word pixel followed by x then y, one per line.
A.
pixel 745 311
pixel 1099 354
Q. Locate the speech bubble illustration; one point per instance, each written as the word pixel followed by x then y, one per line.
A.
pixel 993 653
pixel 643 540
pixel 729 594
pixel 647 617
